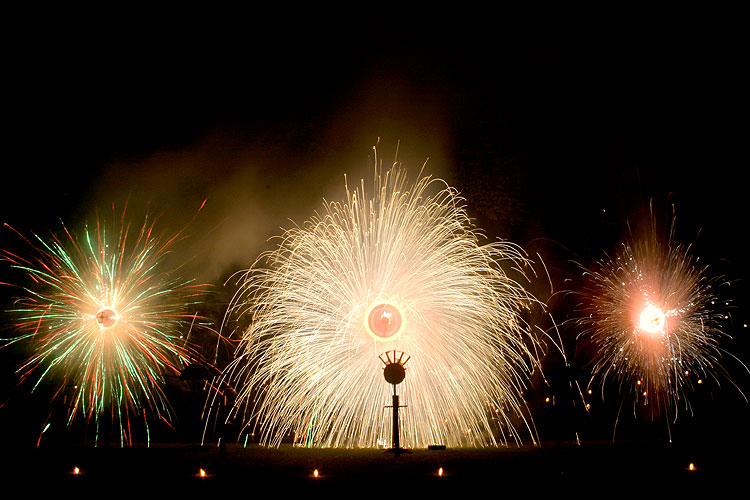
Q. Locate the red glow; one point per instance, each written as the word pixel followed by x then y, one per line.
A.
pixel 384 321
pixel 107 317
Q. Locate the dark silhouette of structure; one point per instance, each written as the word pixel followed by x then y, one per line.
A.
pixel 394 373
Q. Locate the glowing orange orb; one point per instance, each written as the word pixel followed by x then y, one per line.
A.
pixel 652 320
pixel 384 321
pixel 107 317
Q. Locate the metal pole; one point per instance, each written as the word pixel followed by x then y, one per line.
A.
pixel 396 446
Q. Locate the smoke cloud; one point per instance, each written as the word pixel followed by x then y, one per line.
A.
pixel 256 180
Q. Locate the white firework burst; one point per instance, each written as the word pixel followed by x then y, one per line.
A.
pixel 400 269
pixel 652 321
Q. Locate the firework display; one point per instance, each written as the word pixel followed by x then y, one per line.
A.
pixel 652 322
pixel 391 268
pixel 104 318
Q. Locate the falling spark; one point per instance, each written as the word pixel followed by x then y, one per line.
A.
pixel 394 268
pixel 103 317
pixel 649 319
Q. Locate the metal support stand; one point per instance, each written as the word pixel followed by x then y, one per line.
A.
pixel 394 373
pixel 396 446
pixel 396 449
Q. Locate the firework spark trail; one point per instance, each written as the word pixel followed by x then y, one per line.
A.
pixel 652 322
pixel 104 316
pixel 308 363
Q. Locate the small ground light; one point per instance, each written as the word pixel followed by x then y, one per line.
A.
pixel 700 381
pixel 76 471
pixel 202 473
pixel 316 474
pixel 691 466
pixel 440 472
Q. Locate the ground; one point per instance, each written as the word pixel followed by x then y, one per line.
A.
pixel 586 468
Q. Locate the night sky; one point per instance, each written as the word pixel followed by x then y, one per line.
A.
pixel 559 135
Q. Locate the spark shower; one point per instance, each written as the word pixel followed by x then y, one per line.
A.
pixel 652 322
pixel 104 318
pixel 395 266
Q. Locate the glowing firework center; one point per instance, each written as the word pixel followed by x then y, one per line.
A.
pixel 384 321
pixel 652 320
pixel 107 317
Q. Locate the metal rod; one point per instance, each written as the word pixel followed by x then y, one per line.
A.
pixel 396 443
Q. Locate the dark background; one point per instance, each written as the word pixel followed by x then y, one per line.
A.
pixel 560 133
